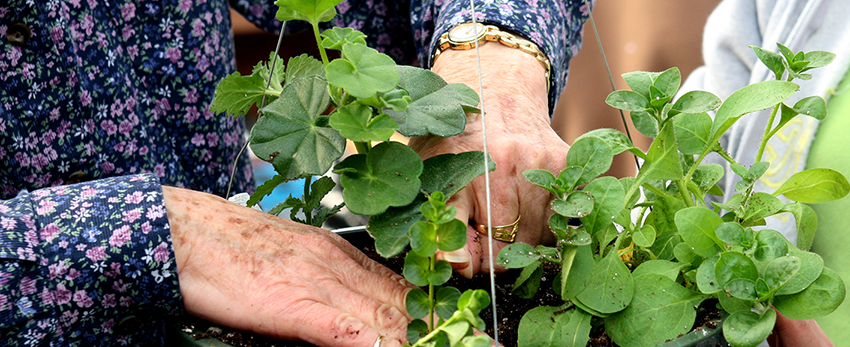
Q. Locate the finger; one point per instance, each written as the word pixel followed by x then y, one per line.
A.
pixel 383 317
pixel 390 289
pixel 326 326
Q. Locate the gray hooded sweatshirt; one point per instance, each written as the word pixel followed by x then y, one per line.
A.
pixel 730 64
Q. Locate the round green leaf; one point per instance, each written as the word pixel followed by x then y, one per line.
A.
pixel 446 301
pixel 811 266
pixel 685 254
pixel 610 287
pixel 418 304
pixel 706 280
pixel 517 255
pixel 591 154
pixel 416 269
pixel 313 11
pixel 451 236
pixel 822 297
pixel 747 328
pixel 548 326
pixel 692 132
pixel 355 122
pixel 363 71
pixel 742 288
pixel 627 100
pixel 780 270
pixel 608 201
pixel 770 244
pixel 441 274
pixel 542 178
pixel 387 176
pixel 665 268
pixel 734 234
pixel 416 330
pixel 733 265
pixel 335 37
pixel 696 226
pixel 423 238
pixel 578 204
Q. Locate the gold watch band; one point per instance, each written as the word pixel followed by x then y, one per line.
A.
pixel 493 34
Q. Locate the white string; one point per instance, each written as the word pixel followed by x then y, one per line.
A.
pixel 486 184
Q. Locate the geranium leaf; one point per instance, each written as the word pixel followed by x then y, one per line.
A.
pixel 313 11
pixel 387 176
pixel 288 135
pixel 335 37
pixel 363 71
pixel 355 122
pixel 303 66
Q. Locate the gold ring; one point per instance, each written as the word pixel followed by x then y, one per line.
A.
pixel 506 233
pixel 378 341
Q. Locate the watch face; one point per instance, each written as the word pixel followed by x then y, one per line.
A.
pixel 467 32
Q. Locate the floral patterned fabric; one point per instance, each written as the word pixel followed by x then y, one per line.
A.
pixel 121 89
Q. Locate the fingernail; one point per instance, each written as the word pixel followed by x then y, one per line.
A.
pixel 457 256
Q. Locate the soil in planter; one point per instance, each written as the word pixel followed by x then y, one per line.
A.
pixel 510 307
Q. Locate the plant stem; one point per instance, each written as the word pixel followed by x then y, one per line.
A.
pixel 319 44
pixel 431 292
pixel 362 147
pixel 308 215
pixel 726 156
pixel 767 133
pixel 686 194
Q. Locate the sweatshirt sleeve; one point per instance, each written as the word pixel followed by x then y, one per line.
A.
pixel 554 25
pixel 87 264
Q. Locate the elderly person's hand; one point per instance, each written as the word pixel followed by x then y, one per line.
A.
pixel 797 333
pixel 519 138
pixel 249 270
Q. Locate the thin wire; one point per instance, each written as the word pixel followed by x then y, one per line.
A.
pixel 486 184
pixel 263 103
pixel 610 76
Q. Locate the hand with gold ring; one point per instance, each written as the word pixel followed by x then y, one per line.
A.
pixel 519 137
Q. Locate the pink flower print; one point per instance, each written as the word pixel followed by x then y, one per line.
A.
pixel 88 192
pixel 120 236
pixel 97 254
pixel 185 5
pixel 4 303
pixel 134 198
pixel 125 127
pixel 31 238
pixel 161 253
pixel 114 270
pixel 146 228
pixel 49 232
pixel 45 206
pixel 126 301
pixel 27 286
pixel 128 11
pixel 174 54
pixel 108 126
pixel 198 140
pixel 143 150
pixel 7 223
pixel 155 212
pixel 212 139
pixel 23 159
pixel 61 295
pixel 107 167
pixel 69 317
pixel 256 10
pixel 85 98
pixel 198 28
pixel 57 269
pixel 73 274
pixel 82 299
pixel 132 215
pixel 46 296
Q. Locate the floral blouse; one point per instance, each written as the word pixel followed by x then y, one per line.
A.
pixel 115 94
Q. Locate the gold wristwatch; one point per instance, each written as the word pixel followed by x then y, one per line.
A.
pixel 465 35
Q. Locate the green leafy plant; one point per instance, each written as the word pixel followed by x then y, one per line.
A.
pixel 310 108
pixel 650 249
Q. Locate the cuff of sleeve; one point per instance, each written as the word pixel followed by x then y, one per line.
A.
pixel 554 25
pixel 107 245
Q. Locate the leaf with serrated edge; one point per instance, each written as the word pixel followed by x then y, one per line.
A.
pixel 304 66
pixel 288 137
pixel 363 72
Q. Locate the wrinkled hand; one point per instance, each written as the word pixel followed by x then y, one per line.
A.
pixel 519 138
pixel 252 271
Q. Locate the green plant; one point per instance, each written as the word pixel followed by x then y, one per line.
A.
pixel 649 248
pixel 368 98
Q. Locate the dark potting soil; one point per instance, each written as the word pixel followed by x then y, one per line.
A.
pixel 510 308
